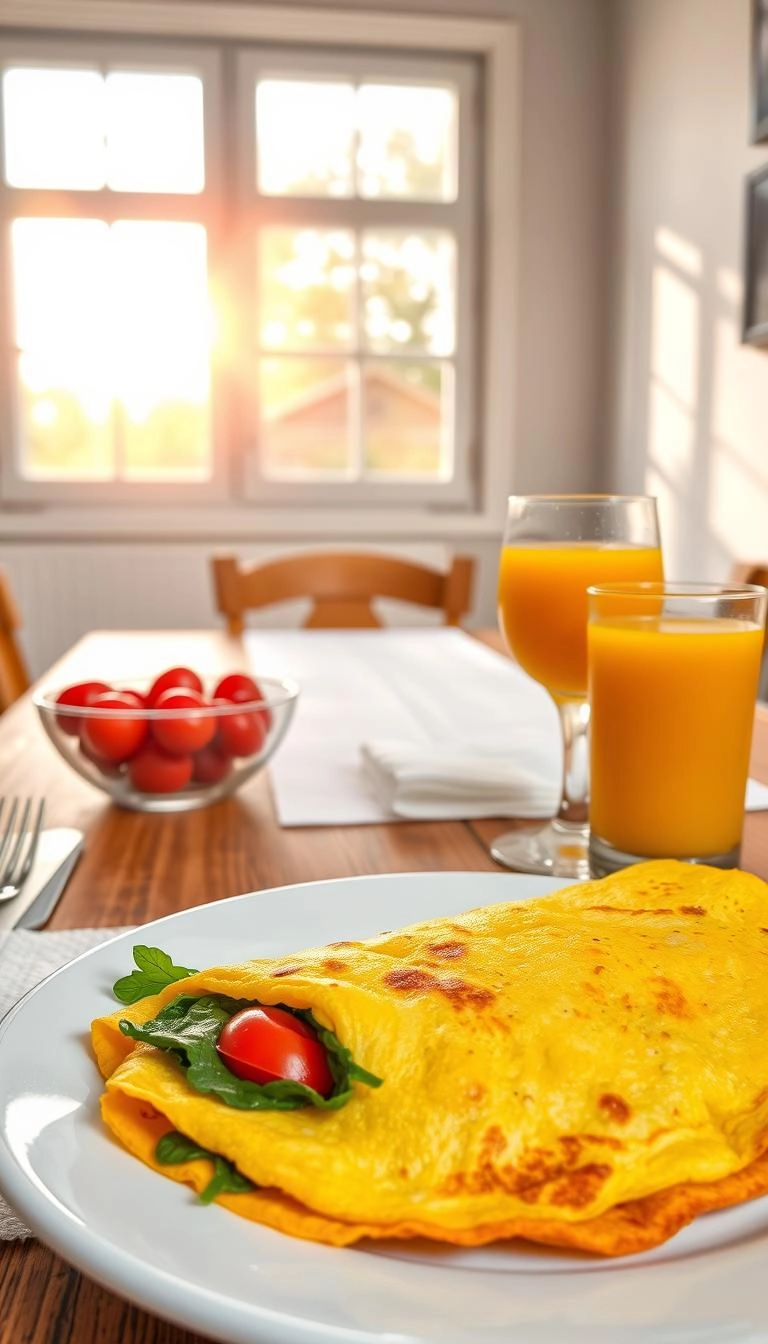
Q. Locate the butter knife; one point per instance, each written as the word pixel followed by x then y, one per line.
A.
pixel 44 902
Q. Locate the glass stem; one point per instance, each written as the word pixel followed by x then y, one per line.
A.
pixel 574 803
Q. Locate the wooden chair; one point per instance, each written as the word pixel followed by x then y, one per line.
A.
pixel 751 571
pixel 14 677
pixel 342 585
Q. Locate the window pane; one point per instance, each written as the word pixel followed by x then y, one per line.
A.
pixel 407 414
pixel 305 133
pixel 113 332
pixel 155 132
pixel 60 271
pixel 408 283
pixel 408 143
pixel 54 128
pixel 307 279
pixel 162 347
pixel 306 414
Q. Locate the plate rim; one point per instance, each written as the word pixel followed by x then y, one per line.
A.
pixel 158 1292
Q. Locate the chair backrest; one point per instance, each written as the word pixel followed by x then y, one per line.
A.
pixel 14 677
pixel 341 585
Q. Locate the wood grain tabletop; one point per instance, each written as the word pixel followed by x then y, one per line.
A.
pixel 137 867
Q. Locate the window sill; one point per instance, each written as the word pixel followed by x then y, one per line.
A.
pixel 238 524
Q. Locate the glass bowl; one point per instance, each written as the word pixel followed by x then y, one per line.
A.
pixel 169 759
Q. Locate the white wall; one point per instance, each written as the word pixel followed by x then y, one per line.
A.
pixel 65 588
pixel 690 402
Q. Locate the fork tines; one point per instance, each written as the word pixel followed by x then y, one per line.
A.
pixel 21 822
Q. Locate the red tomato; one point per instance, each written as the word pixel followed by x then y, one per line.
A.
pixel 139 700
pixel 153 771
pixel 240 734
pixel 211 764
pixel 80 694
pixel 263 1044
pixel 105 766
pixel 241 688
pixel 115 737
pixel 174 679
pixel 181 736
pixel 237 686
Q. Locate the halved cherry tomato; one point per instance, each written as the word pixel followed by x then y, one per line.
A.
pixel 264 1044
pixel 174 679
pixel 240 688
pixel 183 735
pixel 154 771
pixel 81 694
pixel 115 737
pixel 211 764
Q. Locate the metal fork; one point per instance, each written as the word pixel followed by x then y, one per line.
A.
pixel 20 827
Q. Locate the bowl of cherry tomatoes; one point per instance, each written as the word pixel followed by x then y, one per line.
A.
pixel 171 743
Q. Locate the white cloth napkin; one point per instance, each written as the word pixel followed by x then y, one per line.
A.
pixel 757 796
pixel 26 958
pixel 438 780
pixel 435 689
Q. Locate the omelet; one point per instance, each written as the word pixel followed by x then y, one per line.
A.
pixel 588 1069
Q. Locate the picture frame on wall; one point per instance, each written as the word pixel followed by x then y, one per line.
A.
pixel 755 311
pixel 759 74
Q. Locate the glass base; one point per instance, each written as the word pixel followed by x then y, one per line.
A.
pixel 553 850
pixel 604 859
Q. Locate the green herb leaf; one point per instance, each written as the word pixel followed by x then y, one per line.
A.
pixel 155 971
pixel 175 1148
pixel 189 1028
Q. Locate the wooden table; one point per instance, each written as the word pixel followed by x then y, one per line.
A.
pixel 137 867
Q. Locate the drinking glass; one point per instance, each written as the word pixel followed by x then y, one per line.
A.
pixel 554 548
pixel 673 679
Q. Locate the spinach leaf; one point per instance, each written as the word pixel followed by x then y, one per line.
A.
pixel 189 1028
pixel 155 971
pixel 175 1148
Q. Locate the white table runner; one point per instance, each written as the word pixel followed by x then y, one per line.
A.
pixel 415 685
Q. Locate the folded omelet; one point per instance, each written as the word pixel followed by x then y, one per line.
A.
pixel 588 1069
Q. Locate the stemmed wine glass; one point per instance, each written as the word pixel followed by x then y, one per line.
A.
pixel 554 547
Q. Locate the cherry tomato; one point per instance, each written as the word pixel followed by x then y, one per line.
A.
pixel 115 737
pixel 241 688
pixel 136 698
pixel 80 694
pixel 174 679
pixel 237 686
pixel 181 736
pixel 263 1044
pixel 106 766
pixel 241 734
pixel 153 771
pixel 211 764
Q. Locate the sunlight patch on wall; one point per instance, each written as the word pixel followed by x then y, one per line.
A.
pixel 673 388
pixel 675 336
pixel 671 434
pixel 679 251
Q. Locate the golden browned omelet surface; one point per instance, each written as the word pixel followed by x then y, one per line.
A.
pixel 588 1069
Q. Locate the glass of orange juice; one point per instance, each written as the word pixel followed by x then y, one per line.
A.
pixel 673 679
pixel 554 547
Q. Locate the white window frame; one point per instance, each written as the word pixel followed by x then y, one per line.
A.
pixel 498 45
pixel 194 207
pixel 459 217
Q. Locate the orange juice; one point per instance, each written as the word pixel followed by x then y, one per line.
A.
pixel 672 705
pixel 543 604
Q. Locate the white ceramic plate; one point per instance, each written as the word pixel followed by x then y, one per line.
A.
pixel 146 1238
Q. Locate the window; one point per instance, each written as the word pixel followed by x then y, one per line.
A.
pixel 242 272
